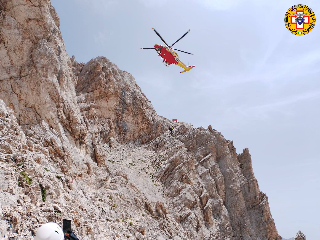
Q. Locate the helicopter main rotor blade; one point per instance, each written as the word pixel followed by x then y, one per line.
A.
pixel 182 51
pixel 180 38
pixel 160 37
pixel 147 48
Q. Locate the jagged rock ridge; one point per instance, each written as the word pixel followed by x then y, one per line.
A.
pixel 300 236
pixel 81 141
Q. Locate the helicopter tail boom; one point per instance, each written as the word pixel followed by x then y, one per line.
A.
pixel 185 67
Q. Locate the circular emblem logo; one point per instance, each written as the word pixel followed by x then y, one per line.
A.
pixel 300 19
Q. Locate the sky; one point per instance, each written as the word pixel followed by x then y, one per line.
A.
pixel 254 81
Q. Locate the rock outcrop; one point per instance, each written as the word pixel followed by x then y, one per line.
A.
pixel 300 236
pixel 82 142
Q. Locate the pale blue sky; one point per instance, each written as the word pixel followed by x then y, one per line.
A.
pixel 254 81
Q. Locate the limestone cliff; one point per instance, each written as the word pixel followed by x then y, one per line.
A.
pixel 81 141
pixel 300 236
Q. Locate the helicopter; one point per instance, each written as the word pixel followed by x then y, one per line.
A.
pixel 169 55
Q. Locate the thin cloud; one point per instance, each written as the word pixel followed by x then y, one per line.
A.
pixel 306 163
pixel 264 109
pixel 154 3
pixel 286 67
pixel 100 38
pixel 103 38
pixel 218 4
pixel 99 6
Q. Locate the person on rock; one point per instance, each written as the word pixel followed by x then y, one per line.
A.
pixel 171 130
pixel 70 236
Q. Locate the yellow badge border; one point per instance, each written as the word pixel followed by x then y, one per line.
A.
pixel 290 13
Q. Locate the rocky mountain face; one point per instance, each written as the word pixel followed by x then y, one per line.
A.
pixel 82 142
pixel 300 236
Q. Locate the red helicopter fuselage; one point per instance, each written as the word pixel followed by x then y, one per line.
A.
pixel 169 56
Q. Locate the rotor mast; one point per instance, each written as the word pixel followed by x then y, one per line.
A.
pixel 170 47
